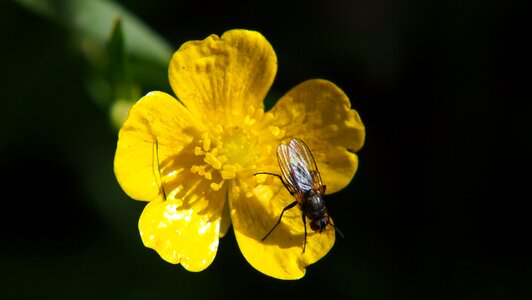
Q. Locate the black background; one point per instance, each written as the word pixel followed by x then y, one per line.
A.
pixel 439 208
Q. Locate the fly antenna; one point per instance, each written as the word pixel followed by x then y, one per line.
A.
pixel 159 166
pixel 337 230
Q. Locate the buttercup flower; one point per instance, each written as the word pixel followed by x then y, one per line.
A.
pixel 194 158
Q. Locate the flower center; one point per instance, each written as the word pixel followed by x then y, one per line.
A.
pixel 240 147
pixel 236 148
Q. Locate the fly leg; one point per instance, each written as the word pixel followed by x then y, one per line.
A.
pixel 279 221
pixel 280 177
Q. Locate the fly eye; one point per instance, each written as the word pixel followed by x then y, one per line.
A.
pixel 315 225
pixel 319 225
pixel 323 223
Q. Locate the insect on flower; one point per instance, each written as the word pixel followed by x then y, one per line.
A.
pixel 301 178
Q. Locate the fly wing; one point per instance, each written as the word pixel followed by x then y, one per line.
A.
pixel 284 160
pixel 308 162
pixel 298 167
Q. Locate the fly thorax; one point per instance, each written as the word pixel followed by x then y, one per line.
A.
pixel 313 206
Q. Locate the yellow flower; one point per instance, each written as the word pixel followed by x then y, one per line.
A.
pixel 203 150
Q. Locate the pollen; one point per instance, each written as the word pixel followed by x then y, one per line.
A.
pixel 236 148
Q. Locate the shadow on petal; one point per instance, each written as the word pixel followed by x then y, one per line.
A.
pixel 280 255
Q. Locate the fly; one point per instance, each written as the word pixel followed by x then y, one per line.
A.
pixel 301 178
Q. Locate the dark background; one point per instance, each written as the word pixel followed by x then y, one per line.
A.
pixel 439 208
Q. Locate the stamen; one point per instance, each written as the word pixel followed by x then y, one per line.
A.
pixel 213 161
pixel 259 113
pixel 223 159
pixel 229 172
pixel 249 121
pixel 268 117
pixel 239 146
pixel 251 109
pixel 201 170
pixel 194 169
pixel 206 142
pixel 217 129
pixel 277 132
pixel 216 186
pixel 235 190
pixel 198 151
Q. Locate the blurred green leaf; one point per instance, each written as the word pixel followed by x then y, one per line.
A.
pixel 125 55
pixel 92 20
pixel 116 66
pixel 123 91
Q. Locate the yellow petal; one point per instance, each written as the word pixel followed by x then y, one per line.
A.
pixel 319 113
pixel 220 77
pixel 137 159
pixel 182 233
pixel 280 255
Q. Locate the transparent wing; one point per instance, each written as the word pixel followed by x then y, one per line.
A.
pixel 300 147
pixel 298 167
pixel 283 158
